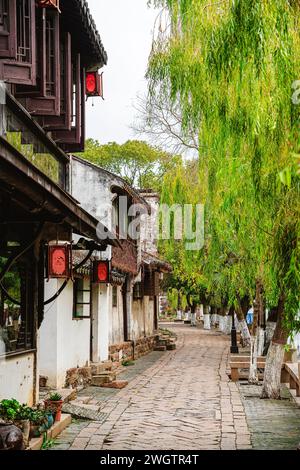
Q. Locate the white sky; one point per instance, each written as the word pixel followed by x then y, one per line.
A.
pixel 125 27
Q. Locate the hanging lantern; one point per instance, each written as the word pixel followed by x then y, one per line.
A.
pixel 94 84
pixel 48 4
pixel 59 261
pixel 101 272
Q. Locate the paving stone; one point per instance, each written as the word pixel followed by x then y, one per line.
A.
pixel 183 400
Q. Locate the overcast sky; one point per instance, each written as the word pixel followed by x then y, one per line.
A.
pixel 126 29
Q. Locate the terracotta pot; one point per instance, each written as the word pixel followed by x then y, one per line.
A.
pixel 55 407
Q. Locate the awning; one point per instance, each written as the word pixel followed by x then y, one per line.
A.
pixel 42 198
pixel 155 263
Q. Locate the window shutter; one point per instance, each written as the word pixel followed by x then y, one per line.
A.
pixel 64 120
pixel 45 99
pixel 21 68
pixel 8 27
pixel 74 140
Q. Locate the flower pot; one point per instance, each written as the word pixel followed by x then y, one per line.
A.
pixel 24 426
pixel 35 430
pixel 55 407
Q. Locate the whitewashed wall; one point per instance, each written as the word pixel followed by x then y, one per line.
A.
pixel 17 379
pixel 116 320
pixel 142 323
pixel 64 342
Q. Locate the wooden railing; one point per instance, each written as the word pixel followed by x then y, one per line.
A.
pixel 291 375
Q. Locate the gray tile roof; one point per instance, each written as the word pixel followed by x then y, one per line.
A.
pixel 91 26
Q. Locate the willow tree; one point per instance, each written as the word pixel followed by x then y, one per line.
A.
pixel 231 65
pixel 181 187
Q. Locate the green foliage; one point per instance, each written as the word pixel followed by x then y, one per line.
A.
pixel 231 65
pixel 128 363
pixel 55 397
pixel 9 409
pixel 137 162
pixel 47 443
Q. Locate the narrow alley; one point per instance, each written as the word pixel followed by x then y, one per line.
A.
pixel 183 400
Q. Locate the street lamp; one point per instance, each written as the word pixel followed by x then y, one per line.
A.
pixel 234 347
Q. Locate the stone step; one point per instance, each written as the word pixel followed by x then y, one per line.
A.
pixel 171 347
pixel 105 377
pixel 160 348
pixel 67 394
pixel 162 342
pixel 101 367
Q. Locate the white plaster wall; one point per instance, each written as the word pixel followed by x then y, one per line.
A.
pixel 142 322
pixel 150 224
pixel 17 378
pixel 103 319
pixel 64 342
pixel 116 320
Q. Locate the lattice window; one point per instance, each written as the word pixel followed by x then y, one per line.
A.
pixel 50 56
pixel 24 52
pixel 4 19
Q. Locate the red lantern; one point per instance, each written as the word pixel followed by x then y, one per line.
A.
pixel 93 84
pixel 101 271
pixel 59 262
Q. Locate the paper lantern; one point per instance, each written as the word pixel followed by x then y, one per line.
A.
pixel 101 272
pixel 93 84
pixel 59 262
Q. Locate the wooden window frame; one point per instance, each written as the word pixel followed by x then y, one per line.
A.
pixel 27 330
pixel 74 139
pixel 37 100
pixel 12 70
pixel 63 121
pixel 7 40
pixel 115 297
pixel 75 301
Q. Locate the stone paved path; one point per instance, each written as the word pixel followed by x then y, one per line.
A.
pixel 182 400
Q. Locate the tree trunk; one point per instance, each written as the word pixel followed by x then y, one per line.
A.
pixel 257 312
pixel 222 318
pixel 253 375
pixel 213 316
pixel 260 341
pixel 228 322
pixel 206 318
pixel 270 328
pixel 272 376
pixel 243 327
pixel 241 313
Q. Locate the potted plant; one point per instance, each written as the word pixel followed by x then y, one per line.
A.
pixel 38 422
pixel 13 412
pixel 9 410
pixel 54 404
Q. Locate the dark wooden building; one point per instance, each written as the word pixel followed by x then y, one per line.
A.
pixel 48 49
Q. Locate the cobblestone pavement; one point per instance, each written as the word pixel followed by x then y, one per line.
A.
pixel 180 400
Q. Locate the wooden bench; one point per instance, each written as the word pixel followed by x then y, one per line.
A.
pixel 238 362
pixel 291 375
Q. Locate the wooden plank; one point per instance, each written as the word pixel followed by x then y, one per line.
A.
pixel 246 365
pixel 238 358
